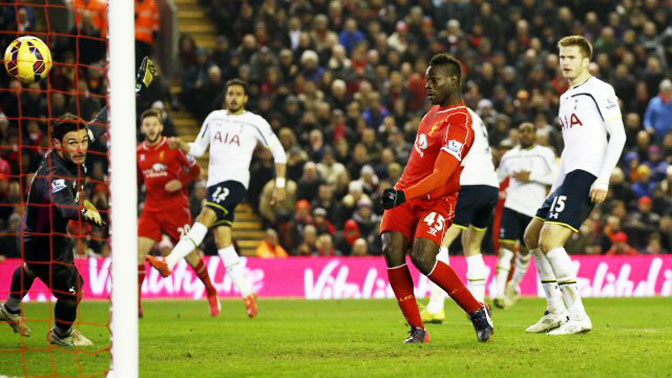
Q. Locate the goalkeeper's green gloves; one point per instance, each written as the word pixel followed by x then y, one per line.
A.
pixel 145 76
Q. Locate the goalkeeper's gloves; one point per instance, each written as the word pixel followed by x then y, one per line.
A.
pixel 393 198
pixel 91 214
pixel 145 76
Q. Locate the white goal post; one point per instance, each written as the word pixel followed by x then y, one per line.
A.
pixel 123 189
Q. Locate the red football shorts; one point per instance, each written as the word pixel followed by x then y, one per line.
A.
pixel 175 223
pixel 421 218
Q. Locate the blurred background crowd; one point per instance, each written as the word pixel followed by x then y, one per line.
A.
pixel 342 84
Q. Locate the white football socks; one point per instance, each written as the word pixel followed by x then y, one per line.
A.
pixel 235 269
pixel 522 262
pixel 554 301
pixel 187 244
pixel 436 294
pixel 564 273
pixel 503 268
pixel 476 276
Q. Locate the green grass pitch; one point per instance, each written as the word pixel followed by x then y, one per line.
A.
pixel 348 338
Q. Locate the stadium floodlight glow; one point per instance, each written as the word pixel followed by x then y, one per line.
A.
pixel 123 191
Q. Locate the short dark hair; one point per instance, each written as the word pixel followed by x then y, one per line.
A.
pixel 152 113
pixel 236 82
pixel 444 59
pixel 578 40
pixel 66 123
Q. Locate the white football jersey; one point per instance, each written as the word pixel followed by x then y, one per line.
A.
pixel 584 111
pixel 478 166
pixel 232 139
pixel 527 197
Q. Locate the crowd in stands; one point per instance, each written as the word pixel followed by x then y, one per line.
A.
pixel 342 84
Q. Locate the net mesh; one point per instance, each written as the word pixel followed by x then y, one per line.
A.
pixel 75 32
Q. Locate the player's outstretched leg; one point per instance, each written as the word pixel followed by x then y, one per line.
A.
pixel 184 247
pixel 10 312
pixel 201 269
pixel 435 312
pixel 423 255
pixel 556 312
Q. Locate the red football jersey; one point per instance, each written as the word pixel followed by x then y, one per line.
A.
pixel 443 128
pixel 159 164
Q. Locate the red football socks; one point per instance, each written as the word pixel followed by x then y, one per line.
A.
pixel 444 276
pixel 402 285
pixel 202 272
pixel 141 279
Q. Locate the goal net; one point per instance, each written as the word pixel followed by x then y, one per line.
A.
pixel 88 74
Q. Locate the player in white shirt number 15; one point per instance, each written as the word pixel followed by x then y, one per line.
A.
pixel 589 111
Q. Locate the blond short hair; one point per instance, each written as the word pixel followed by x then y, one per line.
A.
pixel 577 40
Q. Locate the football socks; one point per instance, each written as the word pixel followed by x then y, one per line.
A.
pixel 21 283
pixel 236 269
pixel 522 262
pixel 187 244
pixel 402 285
pixel 201 270
pixel 446 278
pixel 554 302
pixel 437 296
pixel 503 268
pixel 476 276
pixel 564 273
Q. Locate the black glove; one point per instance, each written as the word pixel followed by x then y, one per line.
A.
pixel 146 74
pixel 393 198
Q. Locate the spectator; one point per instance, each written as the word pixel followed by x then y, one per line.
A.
pixel 310 182
pixel 643 186
pixel 351 36
pixel 347 238
pixel 329 169
pixel 658 117
pixel 365 218
pixel 146 28
pixel 325 246
pixel 187 52
pixel 619 187
pixel 308 246
pixel 278 212
pixel 620 245
pixel 654 246
pixel 269 247
pixel 322 225
pixel 643 222
pixel 656 163
pixel 360 248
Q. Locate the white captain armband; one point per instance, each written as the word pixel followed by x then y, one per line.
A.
pixel 454 148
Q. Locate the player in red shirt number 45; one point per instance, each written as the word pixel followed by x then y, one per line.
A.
pixel 421 206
